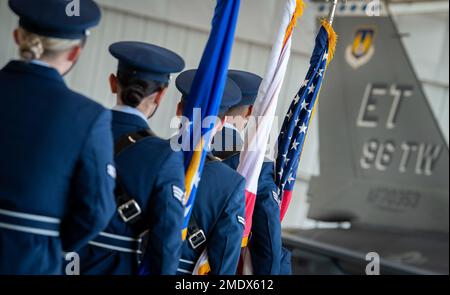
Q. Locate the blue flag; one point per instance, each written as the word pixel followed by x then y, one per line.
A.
pixel 206 95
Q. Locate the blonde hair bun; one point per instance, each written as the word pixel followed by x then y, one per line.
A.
pixel 33 46
pixel 30 45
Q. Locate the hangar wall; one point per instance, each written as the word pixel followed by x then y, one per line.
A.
pixel 183 26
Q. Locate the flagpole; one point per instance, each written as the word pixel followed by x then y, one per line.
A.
pixel 332 12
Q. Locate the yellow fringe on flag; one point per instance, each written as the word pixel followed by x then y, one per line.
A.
pixel 332 39
pixel 190 174
pixel 193 167
pixel 244 242
pixel 297 14
pixel 204 270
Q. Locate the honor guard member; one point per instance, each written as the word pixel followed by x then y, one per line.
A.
pixel 217 220
pixel 56 156
pixel 265 242
pixel 150 175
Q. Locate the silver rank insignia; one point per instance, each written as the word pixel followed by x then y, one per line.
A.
pixel 276 198
pixel 179 194
pixel 241 220
pixel 111 170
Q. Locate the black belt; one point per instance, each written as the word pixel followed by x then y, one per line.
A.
pixel 127 207
pixel 196 237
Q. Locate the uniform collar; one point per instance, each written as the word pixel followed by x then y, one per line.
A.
pixel 35 69
pixel 131 111
pixel 119 116
pixel 40 63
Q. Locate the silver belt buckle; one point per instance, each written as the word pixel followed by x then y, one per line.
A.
pixel 197 239
pixel 129 210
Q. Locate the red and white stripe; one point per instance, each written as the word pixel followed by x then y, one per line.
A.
pixel 258 130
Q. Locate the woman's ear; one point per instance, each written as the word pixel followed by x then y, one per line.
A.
pixel 249 112
pixel 16 36
pixel 180 107
pixel 113 83
pixel 160 95
pixel 74 53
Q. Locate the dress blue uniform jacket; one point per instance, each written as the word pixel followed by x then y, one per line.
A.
pixel 265 242
pixel 219 205
pixel 149 171
pixel 56 169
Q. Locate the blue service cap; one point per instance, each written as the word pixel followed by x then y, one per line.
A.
pixel 49 18
pixel 146 61
pixel 231 96
pixel 248 83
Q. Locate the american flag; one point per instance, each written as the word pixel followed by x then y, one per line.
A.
pixel 296 123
